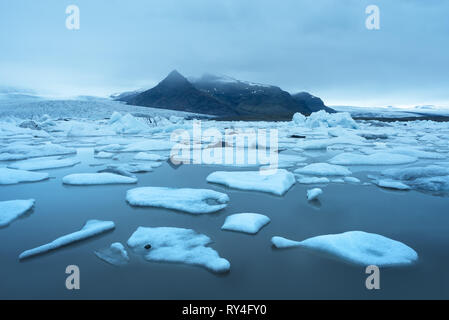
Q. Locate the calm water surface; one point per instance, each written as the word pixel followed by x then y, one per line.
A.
pixel 257 270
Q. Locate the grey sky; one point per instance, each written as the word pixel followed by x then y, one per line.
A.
pixel 320 46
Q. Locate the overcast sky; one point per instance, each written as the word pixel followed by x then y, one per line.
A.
pixel 320 46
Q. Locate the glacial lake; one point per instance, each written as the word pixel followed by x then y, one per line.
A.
pixel 258 271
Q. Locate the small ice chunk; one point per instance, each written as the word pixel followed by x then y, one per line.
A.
pixel 379 158
pixel 357 247
pixel 351 179
pixel 277 183
pixel 312 180
pixel 149 157
pixel 12 209
pixel 391 184
pixel 104 155
pixel 312 194
pixel 177 245
pixel 195 201
pixel 116 254
pixel 43 163
pixel 324 169
pixel 90 229
pixel 96 178
pixel 245 222
pixel 13 176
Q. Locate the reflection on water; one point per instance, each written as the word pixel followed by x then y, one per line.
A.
pixel 257 270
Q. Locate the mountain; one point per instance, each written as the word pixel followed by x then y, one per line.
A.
pixel 312 102
pixel 225 97
pixel 177 93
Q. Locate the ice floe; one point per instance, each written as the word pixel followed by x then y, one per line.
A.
pixel 313 194
pixel 13 176
pixel 324 169
pixel 277 183
pixel 312 180
pixel 380 158
pixel 116 254
pixel 177 245
pixel 149 157
pixel 322 119
pixel 195 201
pixel 245 222
pixel 90 229
pixel 357 247
pixel 104 155
pixel 43 163
pixel 22 151
pixel 12 209
pixel 391 184
pixel 96 179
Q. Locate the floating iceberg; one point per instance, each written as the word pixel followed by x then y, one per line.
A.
pixel 391 184
pixel 149 145
pixel 277 183
pixel 312 180
pixel 104 155
pixel 324 169
pixel 177 245
pixel 380 158
pixel 245 222
pixel 23 151
pixel 13 176
pixel 116 254
pixel 357 247
pixel 43 163
pixel 127 124
pixel 90 229
pixel 149 157
pixel 96 178
pixel 312 194
pixel 12 209
pixel 195 201
pixel 322 119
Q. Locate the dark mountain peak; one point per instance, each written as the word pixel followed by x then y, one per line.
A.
pixel 175 78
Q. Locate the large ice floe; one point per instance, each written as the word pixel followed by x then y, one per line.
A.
pixel 195 201
pixel 90 229
pixel 81 179
pixel 13 209
pixel 115 254
pixel 43 163
pixel 177 245
pixel 13 176
pixel 380 158
pixel 433 178
pixel 277 183
pixel 324 169
pixel 357 247
pixel 245 222
pixel 20 151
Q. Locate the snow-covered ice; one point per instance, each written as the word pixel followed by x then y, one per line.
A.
pixel 312 180
pixel 104 155
pixel 13 176
pixel 277 183
pixel 245 222
pixel 357 247
pixel 149 157
pixel 195 201
pixel 90 229
pixel 12 209
pixel 96 178
pixel 313 194
pixel 20 151
pixel 380 158
pixel 177 245
pixel 391 184
pixel 116 254
pixel 324 169
pixel 43 163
